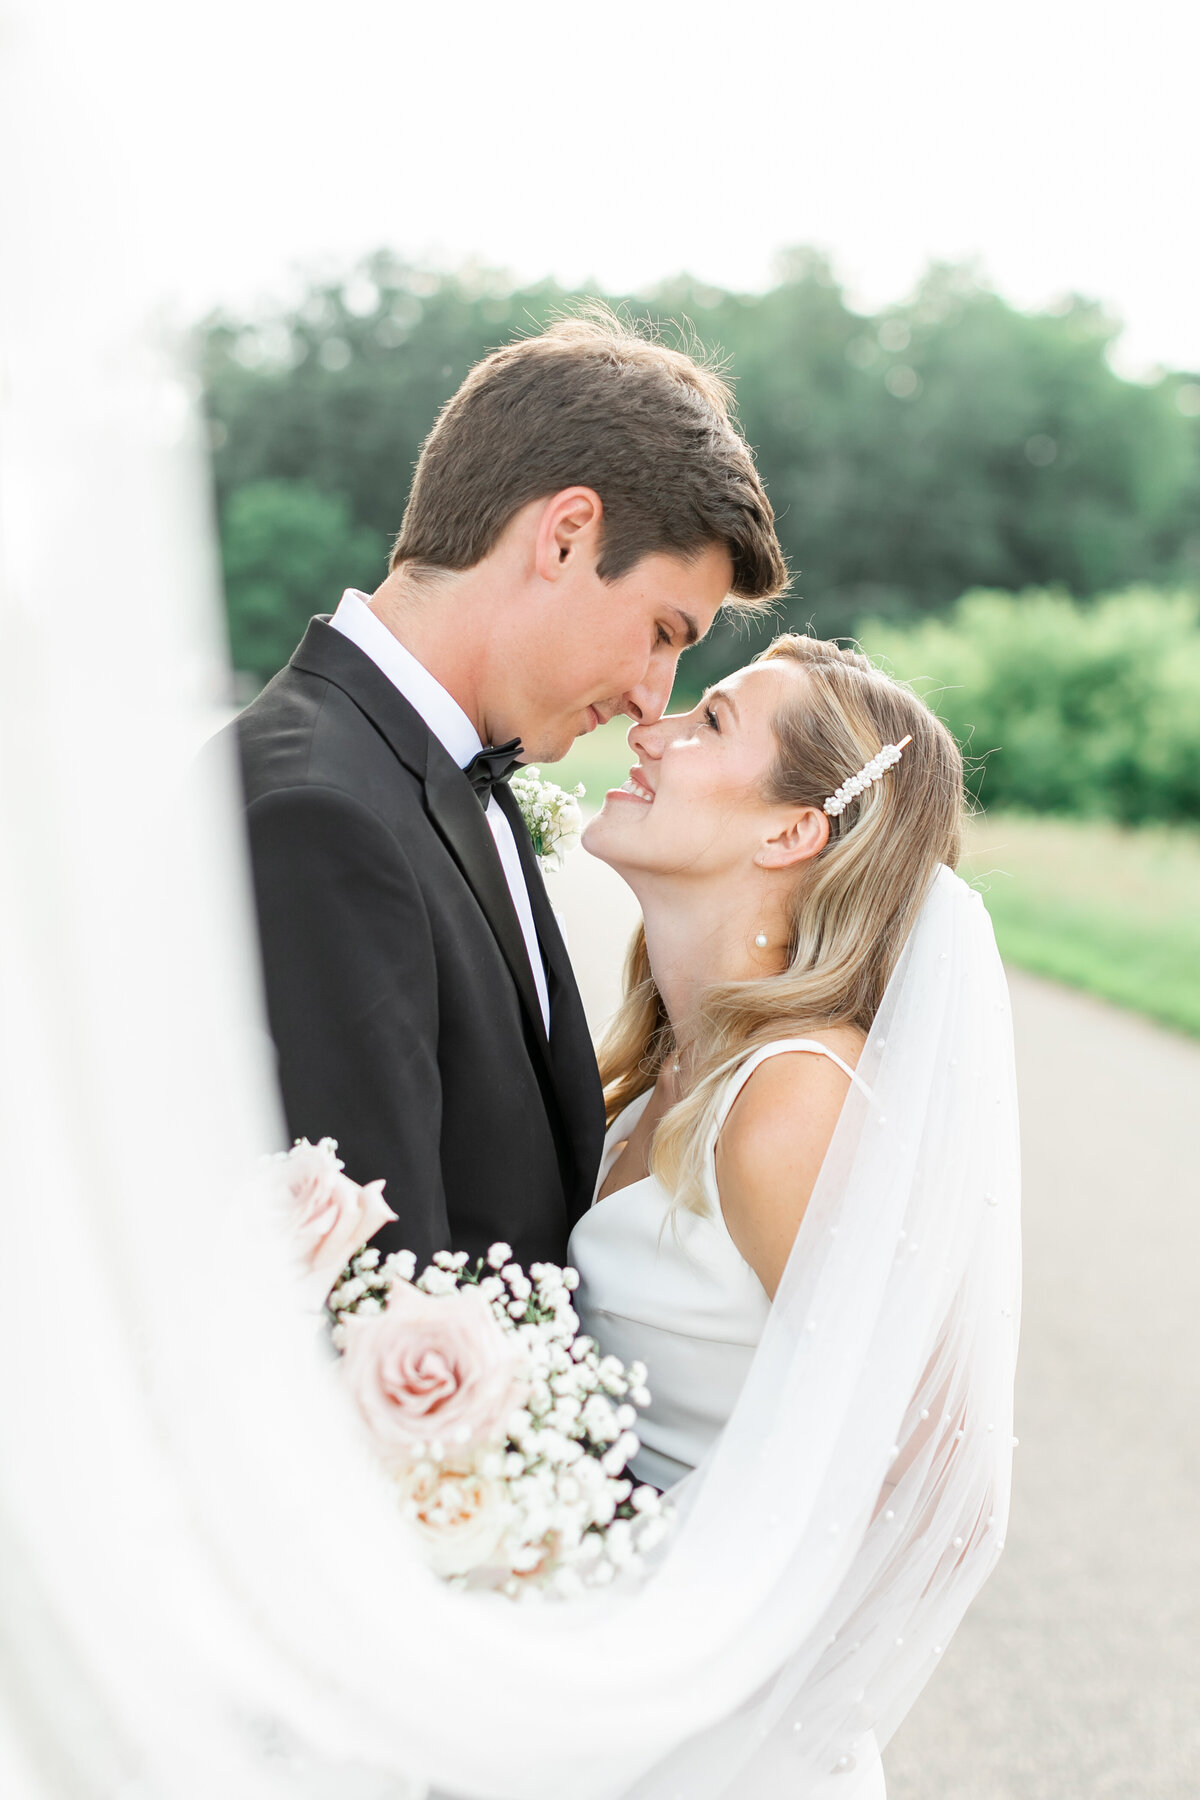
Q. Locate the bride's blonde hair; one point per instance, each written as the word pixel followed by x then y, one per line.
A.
pixel 851 907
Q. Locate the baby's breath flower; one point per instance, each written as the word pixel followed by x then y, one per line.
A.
pixel 551 814
pixel 615 1458
pixel 600 1420
pixel 437 1281
pixel 612 1375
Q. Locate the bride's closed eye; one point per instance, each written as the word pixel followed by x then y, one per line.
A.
pixel 711 719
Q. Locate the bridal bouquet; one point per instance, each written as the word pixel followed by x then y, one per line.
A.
pixel 505 1432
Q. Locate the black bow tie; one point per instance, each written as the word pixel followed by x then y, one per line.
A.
pixel 490 766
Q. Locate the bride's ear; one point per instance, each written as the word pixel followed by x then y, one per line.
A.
pixel 805 834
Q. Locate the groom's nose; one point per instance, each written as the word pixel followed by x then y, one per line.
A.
pixel 646 703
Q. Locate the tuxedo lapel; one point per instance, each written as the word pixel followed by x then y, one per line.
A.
pixel 572 1057
pixel 459 818
pixel 450 800
pixel 325 652
pixel 554 950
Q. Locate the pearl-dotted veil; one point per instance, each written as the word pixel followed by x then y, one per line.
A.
pixel 203 1585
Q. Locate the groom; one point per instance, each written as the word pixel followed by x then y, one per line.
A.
pixel 579 513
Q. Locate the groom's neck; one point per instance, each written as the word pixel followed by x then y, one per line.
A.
pixel 434 618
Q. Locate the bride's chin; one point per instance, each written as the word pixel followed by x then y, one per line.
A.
pixel 592 837
pixel 601 840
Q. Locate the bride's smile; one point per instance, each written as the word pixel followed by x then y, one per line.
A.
pixel 695 806
pixel 635 787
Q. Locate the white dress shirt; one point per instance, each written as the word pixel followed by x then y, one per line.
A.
pixel 455 732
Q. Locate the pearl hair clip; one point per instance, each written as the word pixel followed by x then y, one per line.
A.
pixel 879 765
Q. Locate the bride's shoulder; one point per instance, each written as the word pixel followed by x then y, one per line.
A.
pixel 794 1066
pixel 773 1142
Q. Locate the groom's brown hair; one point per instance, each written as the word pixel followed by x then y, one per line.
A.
pixel 591 403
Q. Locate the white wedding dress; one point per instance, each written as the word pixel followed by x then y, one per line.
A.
pixel 668 1287
pixel 674 1292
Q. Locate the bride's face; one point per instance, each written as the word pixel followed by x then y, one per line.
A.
pixel 693 804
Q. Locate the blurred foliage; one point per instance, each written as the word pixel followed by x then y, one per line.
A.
pixel 949 443
pixel 1061 707
pixel 286 547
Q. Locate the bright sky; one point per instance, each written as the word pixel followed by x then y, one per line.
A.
pixel 1054 141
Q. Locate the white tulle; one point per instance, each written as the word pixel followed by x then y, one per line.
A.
pixel 203 1587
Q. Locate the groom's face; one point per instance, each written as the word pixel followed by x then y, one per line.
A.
pixel 609 647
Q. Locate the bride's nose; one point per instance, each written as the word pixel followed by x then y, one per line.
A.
pixel 645 741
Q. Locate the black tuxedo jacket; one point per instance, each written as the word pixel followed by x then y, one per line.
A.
pixel 399 993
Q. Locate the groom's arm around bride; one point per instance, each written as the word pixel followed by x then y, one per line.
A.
pixel 579 513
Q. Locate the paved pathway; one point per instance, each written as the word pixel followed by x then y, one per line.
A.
pixel 1077 1674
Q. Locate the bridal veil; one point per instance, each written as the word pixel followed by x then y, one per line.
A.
pixel 203 1587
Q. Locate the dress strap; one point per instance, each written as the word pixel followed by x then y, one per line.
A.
pixel 744 1071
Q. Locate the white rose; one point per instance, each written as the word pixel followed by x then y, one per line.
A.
pixel 459 1517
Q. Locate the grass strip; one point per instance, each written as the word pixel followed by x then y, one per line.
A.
pixel 1113 911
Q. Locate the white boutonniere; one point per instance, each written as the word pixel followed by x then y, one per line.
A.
pixel 551 814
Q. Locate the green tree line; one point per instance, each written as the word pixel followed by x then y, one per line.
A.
pixel 947 444
pixel 1092 710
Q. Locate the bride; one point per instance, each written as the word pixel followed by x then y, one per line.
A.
pixel 791 842
pixel 775 907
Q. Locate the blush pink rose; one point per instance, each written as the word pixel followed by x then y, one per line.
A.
pixel 432 1374
pixel 330 1216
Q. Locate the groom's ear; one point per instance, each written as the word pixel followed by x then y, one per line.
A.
pixel 804 836
pixel 568 532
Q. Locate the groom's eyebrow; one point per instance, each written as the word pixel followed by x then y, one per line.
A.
pixel 691 629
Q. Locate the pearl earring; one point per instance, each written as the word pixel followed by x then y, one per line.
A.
pixel 761 940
